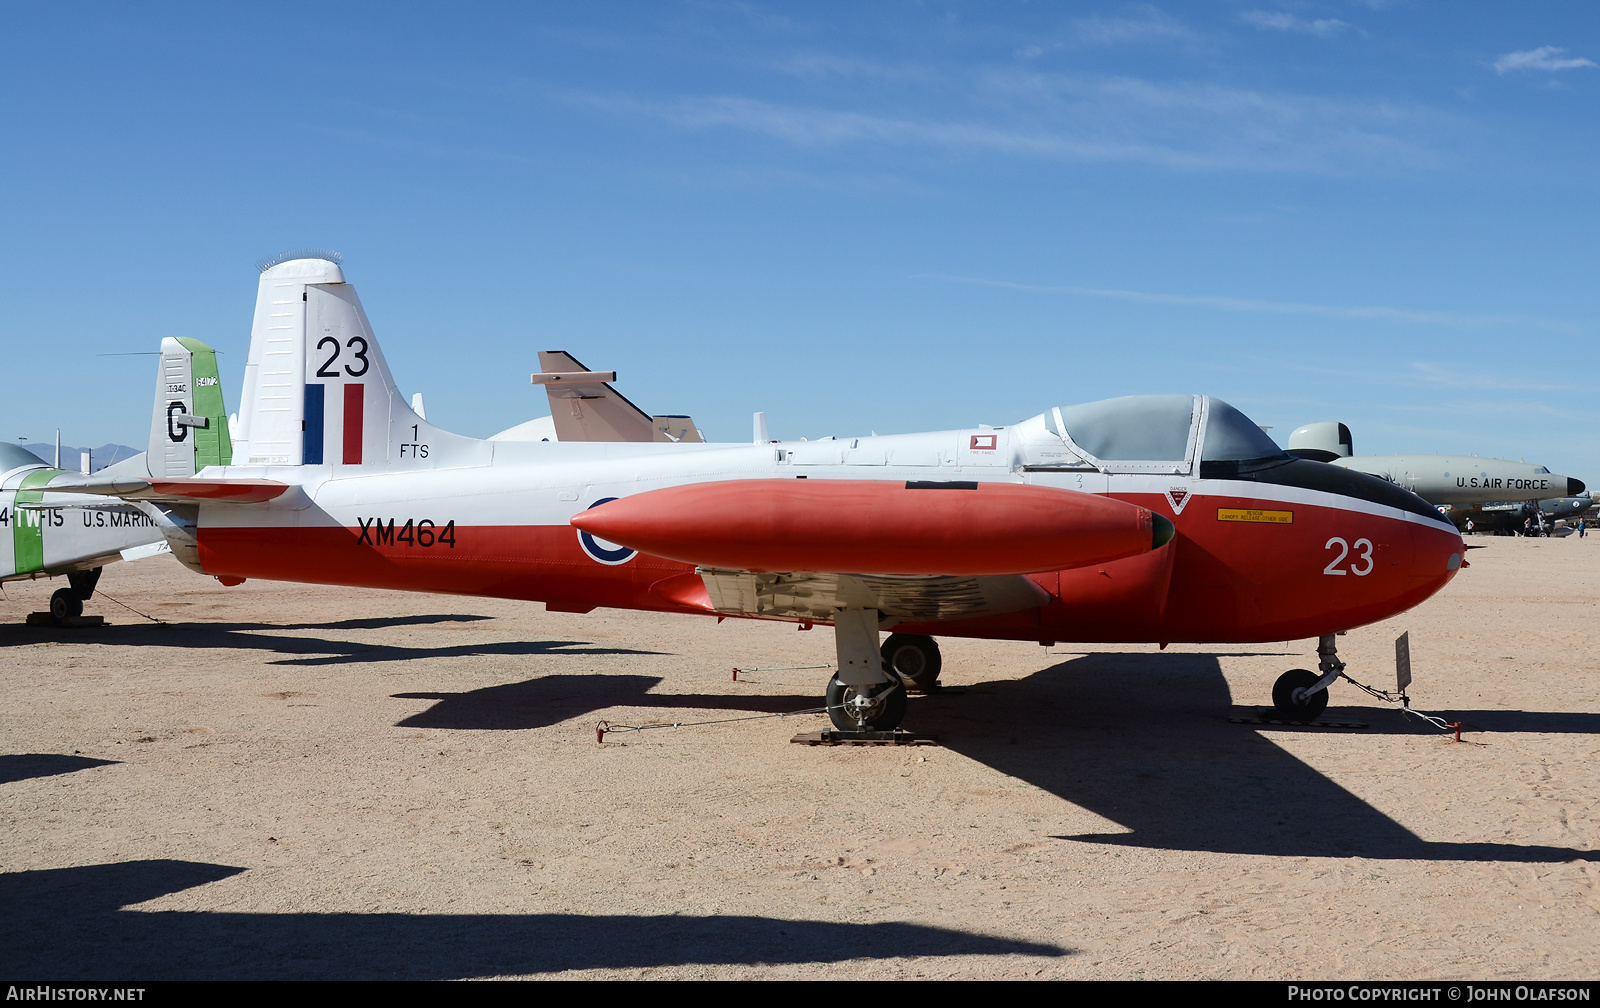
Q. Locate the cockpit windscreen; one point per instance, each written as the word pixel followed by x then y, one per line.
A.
pixel 1233 437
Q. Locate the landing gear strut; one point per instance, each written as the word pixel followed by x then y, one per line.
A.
pixel 862 696
pixel 1300 695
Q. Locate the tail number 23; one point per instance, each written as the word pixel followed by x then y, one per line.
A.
pixel 1361 566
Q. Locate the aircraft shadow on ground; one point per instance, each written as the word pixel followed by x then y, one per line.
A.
pixel 551 699
pixel 67 923
pixel 26 766
pixel 1143 740
pixel 1389 721
pixel 316 650
pixel 1552 722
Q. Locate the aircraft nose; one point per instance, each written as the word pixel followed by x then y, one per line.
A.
pixel 1438 555
pixel 1575 487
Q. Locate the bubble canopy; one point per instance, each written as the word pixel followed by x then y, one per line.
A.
pixel 1161 428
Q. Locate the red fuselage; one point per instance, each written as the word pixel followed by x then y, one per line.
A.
pixel 1297 552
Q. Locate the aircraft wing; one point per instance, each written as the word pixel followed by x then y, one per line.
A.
pixel 922 550
pixel 171 491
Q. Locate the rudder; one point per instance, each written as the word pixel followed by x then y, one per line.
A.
pixel 189 426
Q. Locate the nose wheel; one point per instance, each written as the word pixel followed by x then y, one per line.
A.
pixel 1300 694
pixel 1291 702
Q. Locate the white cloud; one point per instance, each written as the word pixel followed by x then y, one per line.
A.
pixel 1381 313
pixel 1449 378
pixel 1142 25
pixel 821 66
pixel 1146 25
pixel 1542 58
pixel 1191 127
pixel 1284 21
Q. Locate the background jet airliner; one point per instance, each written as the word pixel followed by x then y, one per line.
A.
pixel 1459 483
pixel 1149 518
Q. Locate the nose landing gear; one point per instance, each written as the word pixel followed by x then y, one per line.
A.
pixel 1300 695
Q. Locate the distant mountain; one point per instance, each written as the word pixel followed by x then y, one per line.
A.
pixel 70 456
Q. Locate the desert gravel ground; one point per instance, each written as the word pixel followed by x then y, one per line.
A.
pixel 296 781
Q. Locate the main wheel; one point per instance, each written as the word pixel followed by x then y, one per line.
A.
pixel 1307 707
pixel 65 603
pixel 879 707
pixel 914 658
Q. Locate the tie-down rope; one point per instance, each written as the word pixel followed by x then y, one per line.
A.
pixel 1404 703
pixel 602 728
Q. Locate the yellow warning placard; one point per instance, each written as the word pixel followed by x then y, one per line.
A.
pixel 1252 515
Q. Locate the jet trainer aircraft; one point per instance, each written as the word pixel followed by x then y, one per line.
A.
pixel 43 534
pixel 1461 484
pixel 1154 519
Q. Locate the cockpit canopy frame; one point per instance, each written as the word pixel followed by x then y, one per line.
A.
pixel 1158 434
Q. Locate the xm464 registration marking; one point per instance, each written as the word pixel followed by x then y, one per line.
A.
pixel 423 532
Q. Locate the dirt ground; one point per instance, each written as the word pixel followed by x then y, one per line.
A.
pixel 292 781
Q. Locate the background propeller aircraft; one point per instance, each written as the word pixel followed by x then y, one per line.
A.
pixel 1143 519
pixel 46 534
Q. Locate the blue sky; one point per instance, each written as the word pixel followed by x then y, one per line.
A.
pixel 890 217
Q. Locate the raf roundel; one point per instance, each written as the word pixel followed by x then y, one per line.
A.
pixel 601 551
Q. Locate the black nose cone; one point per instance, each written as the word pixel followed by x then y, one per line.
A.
pixel 1574 487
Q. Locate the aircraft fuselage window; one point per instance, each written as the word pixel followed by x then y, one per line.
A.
pixel 1133 428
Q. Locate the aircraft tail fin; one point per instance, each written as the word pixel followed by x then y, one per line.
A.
pixel 585 407
pixel 189 425
pixel 317 390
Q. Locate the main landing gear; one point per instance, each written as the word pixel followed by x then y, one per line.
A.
pixel 868 693
pixel 915 659
pixel 68 602
pixel 1299 694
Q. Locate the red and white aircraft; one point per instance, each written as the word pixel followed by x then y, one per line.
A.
pixel 1143 519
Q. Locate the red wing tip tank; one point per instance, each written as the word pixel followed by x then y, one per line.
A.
pixel 878 527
